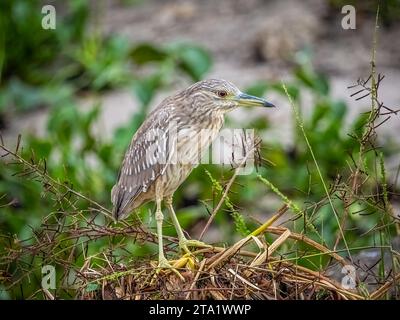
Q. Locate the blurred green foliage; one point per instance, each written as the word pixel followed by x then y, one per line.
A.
pixel 90 62
pixel 336 145
pixel 22 58
pixel 46 65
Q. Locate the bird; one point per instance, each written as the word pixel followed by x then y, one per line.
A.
pixel 166 148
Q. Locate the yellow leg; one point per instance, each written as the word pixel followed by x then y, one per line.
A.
pixel 162 261
pixel 183 242
pixel 159 220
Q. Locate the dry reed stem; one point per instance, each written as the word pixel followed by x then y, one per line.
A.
pixel 270 250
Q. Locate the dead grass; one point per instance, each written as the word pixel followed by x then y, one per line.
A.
pixel 219 273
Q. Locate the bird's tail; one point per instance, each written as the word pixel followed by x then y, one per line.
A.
pixel 121 204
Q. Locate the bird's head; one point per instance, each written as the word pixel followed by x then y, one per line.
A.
pixel 222 96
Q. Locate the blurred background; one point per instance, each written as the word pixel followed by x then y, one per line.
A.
pixel 78 93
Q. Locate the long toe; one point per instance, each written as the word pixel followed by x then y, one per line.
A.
pixel 184 244
pixel 165 265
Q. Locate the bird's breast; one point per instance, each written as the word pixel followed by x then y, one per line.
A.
pixel 193 141
pixel 191 146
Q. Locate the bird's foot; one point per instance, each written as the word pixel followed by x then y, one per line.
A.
pixel 187 260
pixel 184 244
pixel 164 264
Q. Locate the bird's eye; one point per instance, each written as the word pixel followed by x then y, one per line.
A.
pixel 222 94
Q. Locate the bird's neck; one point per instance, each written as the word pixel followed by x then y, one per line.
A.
pixel 211 120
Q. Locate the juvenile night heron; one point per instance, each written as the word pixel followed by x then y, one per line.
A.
pixel 167 146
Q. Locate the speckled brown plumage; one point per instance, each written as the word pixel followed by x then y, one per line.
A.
pixel 169 144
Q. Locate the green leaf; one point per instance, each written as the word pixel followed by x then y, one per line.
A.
pixel 359 124
pixel 319 113
pixel 42 148
pixel 88 119
pixel 309 78
pixel 145 53
pixel 195 61
pixel 63 122
pixel 145 88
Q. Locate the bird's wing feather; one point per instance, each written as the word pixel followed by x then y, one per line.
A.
pixel 145 160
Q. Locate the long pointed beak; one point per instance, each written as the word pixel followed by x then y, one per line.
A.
pixel 247 100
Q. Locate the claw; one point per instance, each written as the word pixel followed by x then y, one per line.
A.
pixel 164 264
pixel 187 260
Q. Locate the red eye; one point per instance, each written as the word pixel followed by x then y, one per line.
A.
pixel 222 94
